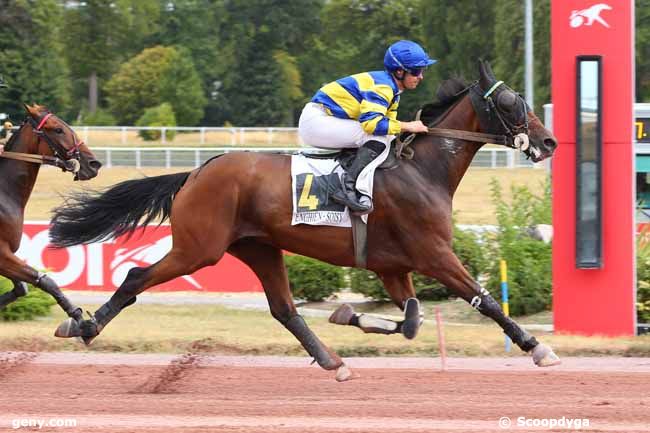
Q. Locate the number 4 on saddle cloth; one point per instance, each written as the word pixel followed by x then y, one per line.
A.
pixel 316 176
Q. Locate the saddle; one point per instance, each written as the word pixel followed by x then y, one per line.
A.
pixel 344 157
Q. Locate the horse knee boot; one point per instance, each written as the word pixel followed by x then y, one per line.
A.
pixel 47 284
pixel 325 357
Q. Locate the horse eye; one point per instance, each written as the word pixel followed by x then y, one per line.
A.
pixel 59 130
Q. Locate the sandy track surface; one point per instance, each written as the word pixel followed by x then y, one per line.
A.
pixel 200 393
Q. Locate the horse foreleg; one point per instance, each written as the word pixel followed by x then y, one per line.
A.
pixel 400 288
pixel 450 272
pixel 20 273
pixel 267 263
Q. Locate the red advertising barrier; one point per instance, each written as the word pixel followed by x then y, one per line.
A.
pixel 602 300
pixel 103 266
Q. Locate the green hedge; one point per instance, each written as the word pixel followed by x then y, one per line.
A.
pixel 161 115
pixel 313 280
pixel 528 260
pixel 98 118
pixel 36 303
pixel 368 284
pixel 643 278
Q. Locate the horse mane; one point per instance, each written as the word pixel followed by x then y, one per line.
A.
pixel 449 92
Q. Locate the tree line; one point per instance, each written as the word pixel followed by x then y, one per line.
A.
pixel 254 62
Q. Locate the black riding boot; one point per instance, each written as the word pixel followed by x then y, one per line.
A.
pixel 349 196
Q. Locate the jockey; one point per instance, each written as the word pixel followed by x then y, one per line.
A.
pixel 360 111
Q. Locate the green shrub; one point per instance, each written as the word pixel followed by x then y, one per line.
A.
pixel 98 118
pixel 36 303
pixel 467 246
pixel 157 74
pixel 312 280
pixel 643 278
pixel 368 284
pixel 528 260
pixel 161 115
pixel 429 289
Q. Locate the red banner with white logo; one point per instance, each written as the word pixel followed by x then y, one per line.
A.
pixel 103 266
pixel 594 301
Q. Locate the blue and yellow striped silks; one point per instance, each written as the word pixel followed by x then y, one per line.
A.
pixel 371 98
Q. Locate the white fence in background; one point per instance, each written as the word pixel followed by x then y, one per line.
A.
pixel 169 157
pixel 96 136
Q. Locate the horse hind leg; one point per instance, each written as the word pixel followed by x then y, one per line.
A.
pixel 400 288
pixel 175 264
pixel 268 264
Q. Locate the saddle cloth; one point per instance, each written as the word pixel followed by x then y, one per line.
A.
pixel 312 181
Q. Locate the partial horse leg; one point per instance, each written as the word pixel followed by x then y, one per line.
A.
pixel 20 273
pixel 267 263
pixel 20 289
pixel 176 263
pixel 451 272
pixel 400 288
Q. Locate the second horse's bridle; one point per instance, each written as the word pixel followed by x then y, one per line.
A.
pixel 66 159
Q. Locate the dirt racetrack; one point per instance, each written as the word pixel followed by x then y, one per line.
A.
pixel 200 393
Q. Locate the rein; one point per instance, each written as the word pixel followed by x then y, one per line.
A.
pixel 71 165
pixel 514 141
pixel 472 136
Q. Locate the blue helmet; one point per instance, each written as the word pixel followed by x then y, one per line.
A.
pixel 406 55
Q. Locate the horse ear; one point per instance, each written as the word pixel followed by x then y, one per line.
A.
pixel 32 110
pixel 485 78
pixel 488 68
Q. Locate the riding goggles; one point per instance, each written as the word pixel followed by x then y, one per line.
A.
pixel 416 72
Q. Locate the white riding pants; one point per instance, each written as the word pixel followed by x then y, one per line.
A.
pixel 319 129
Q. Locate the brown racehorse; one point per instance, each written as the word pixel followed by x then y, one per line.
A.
pixel 43 138
pixel 241 203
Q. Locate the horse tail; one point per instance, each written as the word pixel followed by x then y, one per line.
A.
pixel 95 216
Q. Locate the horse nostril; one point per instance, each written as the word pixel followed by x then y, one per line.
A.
pixel 94 164
pixel 550 143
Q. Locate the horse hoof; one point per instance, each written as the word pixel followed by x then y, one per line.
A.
pixel 543 356
pixel 88 340
pixel 412 319
pixel 69 328
pixel 343 373
pixel 342 315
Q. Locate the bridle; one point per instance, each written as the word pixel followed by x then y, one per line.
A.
pixel 515 136
pixel 65 159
